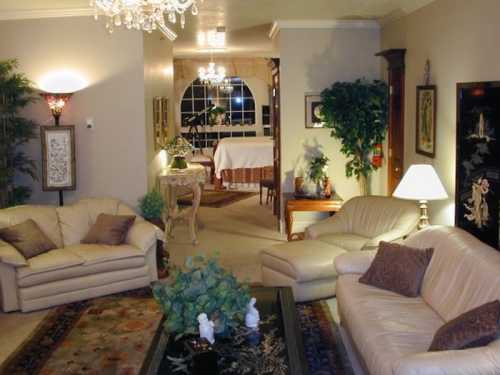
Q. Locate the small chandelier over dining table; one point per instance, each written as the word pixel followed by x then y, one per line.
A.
pixel 145 15
pixel 212 76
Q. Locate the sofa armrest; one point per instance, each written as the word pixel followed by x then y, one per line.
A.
pixel 10 255
pixel 354 262
pixel 485 360
pixel 143 235
pixel 334 224
pixel 390 236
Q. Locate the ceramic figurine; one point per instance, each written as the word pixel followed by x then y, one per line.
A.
pixel 206 328
pixel 252 318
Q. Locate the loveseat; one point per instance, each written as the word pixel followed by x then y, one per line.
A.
pixel 361 223
pixel 390 334
pixel 74 271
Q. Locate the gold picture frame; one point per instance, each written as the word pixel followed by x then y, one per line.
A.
pixel 160 121
pixel 58 157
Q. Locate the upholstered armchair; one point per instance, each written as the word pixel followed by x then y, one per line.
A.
pixel 74 271
pixel 365 221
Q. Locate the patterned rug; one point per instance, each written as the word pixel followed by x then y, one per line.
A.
pixel 215 199
pixel 112 334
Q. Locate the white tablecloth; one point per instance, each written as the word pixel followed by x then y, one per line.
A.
pixel 241 152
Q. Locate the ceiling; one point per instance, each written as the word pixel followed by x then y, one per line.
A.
pixel 247 21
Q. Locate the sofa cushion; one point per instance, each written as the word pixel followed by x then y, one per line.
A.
pixel 31 277
pixel 74 221
pixel 302 260
pixel 109 230
pixel 398 268
pixel 44 216
pixel 463 273
pixel 92 254
pixel 473 329
pixel 50 261
pixel 347 241
pixel 384 326
pixel 28 238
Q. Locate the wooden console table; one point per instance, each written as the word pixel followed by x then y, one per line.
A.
pixel 293 204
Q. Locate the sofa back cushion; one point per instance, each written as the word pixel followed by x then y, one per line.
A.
pixel 44 216
pixel 464 273
pixel 372 216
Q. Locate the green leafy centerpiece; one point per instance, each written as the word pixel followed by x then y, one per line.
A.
pixel 178 148
pixel 203 287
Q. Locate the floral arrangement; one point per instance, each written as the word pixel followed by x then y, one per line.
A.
pixel 203 287
pixel 178 146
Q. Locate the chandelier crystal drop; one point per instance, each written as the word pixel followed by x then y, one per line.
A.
pixel 226 86
pixel 145 15
pixel 212 76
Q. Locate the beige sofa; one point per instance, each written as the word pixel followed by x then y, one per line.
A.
pixel 307 266
pixel 74 271
pixel 390 334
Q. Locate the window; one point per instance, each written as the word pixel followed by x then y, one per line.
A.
pixel 239 104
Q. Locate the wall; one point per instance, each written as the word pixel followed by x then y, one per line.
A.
pixel 158 81
pixel 460 38
pixel 326 56
pixel 111 159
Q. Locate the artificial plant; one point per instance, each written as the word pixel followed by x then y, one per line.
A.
pixel 317 169
pixel 203 287
pixel 152 205
pixel 16 92
pixel 357 114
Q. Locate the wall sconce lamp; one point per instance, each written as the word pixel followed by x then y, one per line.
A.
pixel 56 103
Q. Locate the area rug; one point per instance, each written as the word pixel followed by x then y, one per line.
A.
pixel 216 199
pixel 112 334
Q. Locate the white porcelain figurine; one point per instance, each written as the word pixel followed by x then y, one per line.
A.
pixel 252 318
pixel 206 328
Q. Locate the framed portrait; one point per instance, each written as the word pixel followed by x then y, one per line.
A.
pixel 160 121
pixel 477 196
pixel 314 117
pixel 58 157
pixel 426 121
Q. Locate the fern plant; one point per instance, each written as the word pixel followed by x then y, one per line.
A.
pixel 152 205
pixel 16 92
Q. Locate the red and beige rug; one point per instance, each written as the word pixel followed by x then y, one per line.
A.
pixel 112 335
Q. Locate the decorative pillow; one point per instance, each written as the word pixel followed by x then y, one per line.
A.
pixel 475 328
pixel 109 229
pixel 28 238
pixel 398 268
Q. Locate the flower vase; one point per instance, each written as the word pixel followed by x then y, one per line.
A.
pixel 179 162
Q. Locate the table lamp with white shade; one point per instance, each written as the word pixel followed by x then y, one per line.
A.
pixel 421 183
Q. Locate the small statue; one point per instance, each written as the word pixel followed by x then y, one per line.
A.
pixel 252 318
pixel 206 328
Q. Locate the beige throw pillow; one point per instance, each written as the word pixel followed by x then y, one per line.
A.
pixel 27 238
pixel 398 268
pixel 109 230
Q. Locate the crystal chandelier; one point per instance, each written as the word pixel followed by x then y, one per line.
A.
pixel 212 76
pixel 146 15
pixel 226 86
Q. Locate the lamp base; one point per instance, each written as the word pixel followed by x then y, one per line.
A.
pixel 424 217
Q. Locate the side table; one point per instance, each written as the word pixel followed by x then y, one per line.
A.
pixel 293 204
pixel 170 179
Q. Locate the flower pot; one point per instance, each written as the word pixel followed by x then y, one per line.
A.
pixel 179 162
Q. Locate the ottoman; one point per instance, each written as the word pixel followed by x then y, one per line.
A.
pixel 306 266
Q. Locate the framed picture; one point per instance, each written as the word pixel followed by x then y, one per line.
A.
pixel 477 197
pixel 160 121
pixel 314 118
pixel 426 121
pixel 58 157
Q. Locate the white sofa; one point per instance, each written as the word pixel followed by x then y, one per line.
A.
pixel 74 271
pixel 390 334
pixel 362 222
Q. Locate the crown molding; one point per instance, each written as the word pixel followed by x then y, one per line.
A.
pixel 321 24
pixel 45 13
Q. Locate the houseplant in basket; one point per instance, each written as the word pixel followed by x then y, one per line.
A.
pixel 357 114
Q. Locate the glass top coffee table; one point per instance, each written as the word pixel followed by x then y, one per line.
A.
pixel 280 327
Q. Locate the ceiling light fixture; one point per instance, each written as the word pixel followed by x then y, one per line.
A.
pixel 226 86
pixel 212 76
pixel 146 15
pixel 214 39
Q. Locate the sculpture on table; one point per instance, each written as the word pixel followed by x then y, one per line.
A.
pixel 252 318
pixel 206 328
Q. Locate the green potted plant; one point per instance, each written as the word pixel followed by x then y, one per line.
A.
pixel 357 114
pixel 317 171
pixel 16 92
pixel 203 286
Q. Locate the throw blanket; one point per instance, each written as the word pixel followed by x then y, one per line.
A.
pixel 241 152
